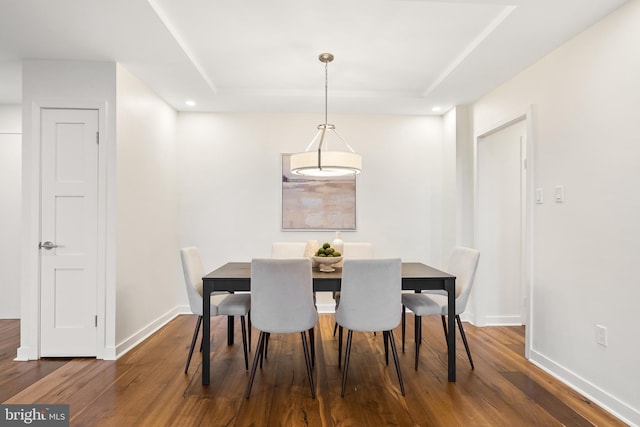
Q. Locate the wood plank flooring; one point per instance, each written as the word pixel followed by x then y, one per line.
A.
pixel 148 387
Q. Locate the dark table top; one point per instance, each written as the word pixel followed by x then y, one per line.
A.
pixel 236 276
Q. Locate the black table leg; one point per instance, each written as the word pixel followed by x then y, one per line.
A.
pixel 450 285
pixel 229 330
pixel 206 334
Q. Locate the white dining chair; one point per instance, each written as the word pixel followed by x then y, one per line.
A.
pixel 288 250
pixel 463 264
pixel 357 250
pixel 282 302
pixel 352 250
pixel 222 303
pixel 370 301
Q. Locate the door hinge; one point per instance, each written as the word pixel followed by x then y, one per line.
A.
pixel 96 320
pixel 97 137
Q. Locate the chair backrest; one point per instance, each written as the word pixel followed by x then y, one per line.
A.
pixel 357 250
pixel 463 264
pixel 288 250
pixel 370 294
pixel 193 272
pixel 282 295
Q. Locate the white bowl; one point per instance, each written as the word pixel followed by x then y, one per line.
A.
pixel 326 262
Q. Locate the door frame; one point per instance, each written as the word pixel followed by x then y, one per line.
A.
pixel 31 207
pixel 528 203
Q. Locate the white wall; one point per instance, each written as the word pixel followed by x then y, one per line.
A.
pixel 147 281
pixel 465 173
pixel 230 183
pixel 10 119
pixel 585 126
pixel 10 199
pixel 449 183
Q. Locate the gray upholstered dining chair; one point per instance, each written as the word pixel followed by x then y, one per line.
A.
pixel 282 302
pixel 369 302
pixel 463 264
pixel 222 303
pixel 352 250
pixel 290 250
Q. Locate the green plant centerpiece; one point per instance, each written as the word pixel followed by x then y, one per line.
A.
pixel 325 256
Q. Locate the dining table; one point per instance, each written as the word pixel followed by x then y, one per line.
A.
pixel 236 277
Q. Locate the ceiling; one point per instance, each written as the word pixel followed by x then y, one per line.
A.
pixel 391 56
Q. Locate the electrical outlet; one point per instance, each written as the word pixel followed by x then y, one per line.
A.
pixel 601 335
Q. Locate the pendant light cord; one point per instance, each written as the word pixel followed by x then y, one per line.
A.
pixel 326 108
pixel 326 91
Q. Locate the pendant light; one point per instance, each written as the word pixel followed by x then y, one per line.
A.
pixel 320 161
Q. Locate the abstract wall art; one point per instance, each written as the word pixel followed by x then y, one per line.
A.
pixel 310 203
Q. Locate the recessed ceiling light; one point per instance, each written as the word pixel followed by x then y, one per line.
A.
pixel 191 103
pixel 436 109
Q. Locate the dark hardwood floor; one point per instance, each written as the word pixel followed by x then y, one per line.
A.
pixel 148 387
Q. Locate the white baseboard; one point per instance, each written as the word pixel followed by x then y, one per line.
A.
pixel 22 355
pixel 500 321
pixel 325 302
pixel 326 308
pixel 144 333
pixel 109 353
pixel 594 393
pixel 183 309
pixel 9 316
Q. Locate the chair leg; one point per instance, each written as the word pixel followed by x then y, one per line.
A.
pixel 263 349
pixel 395 359
pixel 340 347
pixel 308 362
pixel 201 342
pixel 346 362
pixel 244 343
pixel 404 321
pixel 418 337
pixel 464 340
pixel 249 328
pixel 446 332
pixel 335 323
pixel 256 356
pixel 312 342
pixel 386 347
pixel 193 343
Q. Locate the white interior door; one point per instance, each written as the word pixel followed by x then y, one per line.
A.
pixel 69 232
pixel 501 226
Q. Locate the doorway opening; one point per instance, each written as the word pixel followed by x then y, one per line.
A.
pixel 502 224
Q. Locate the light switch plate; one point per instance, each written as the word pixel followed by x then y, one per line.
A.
pixel 539 196
pixel 559 194
pixel 601 335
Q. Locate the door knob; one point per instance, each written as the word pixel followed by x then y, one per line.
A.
pixel 47 245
